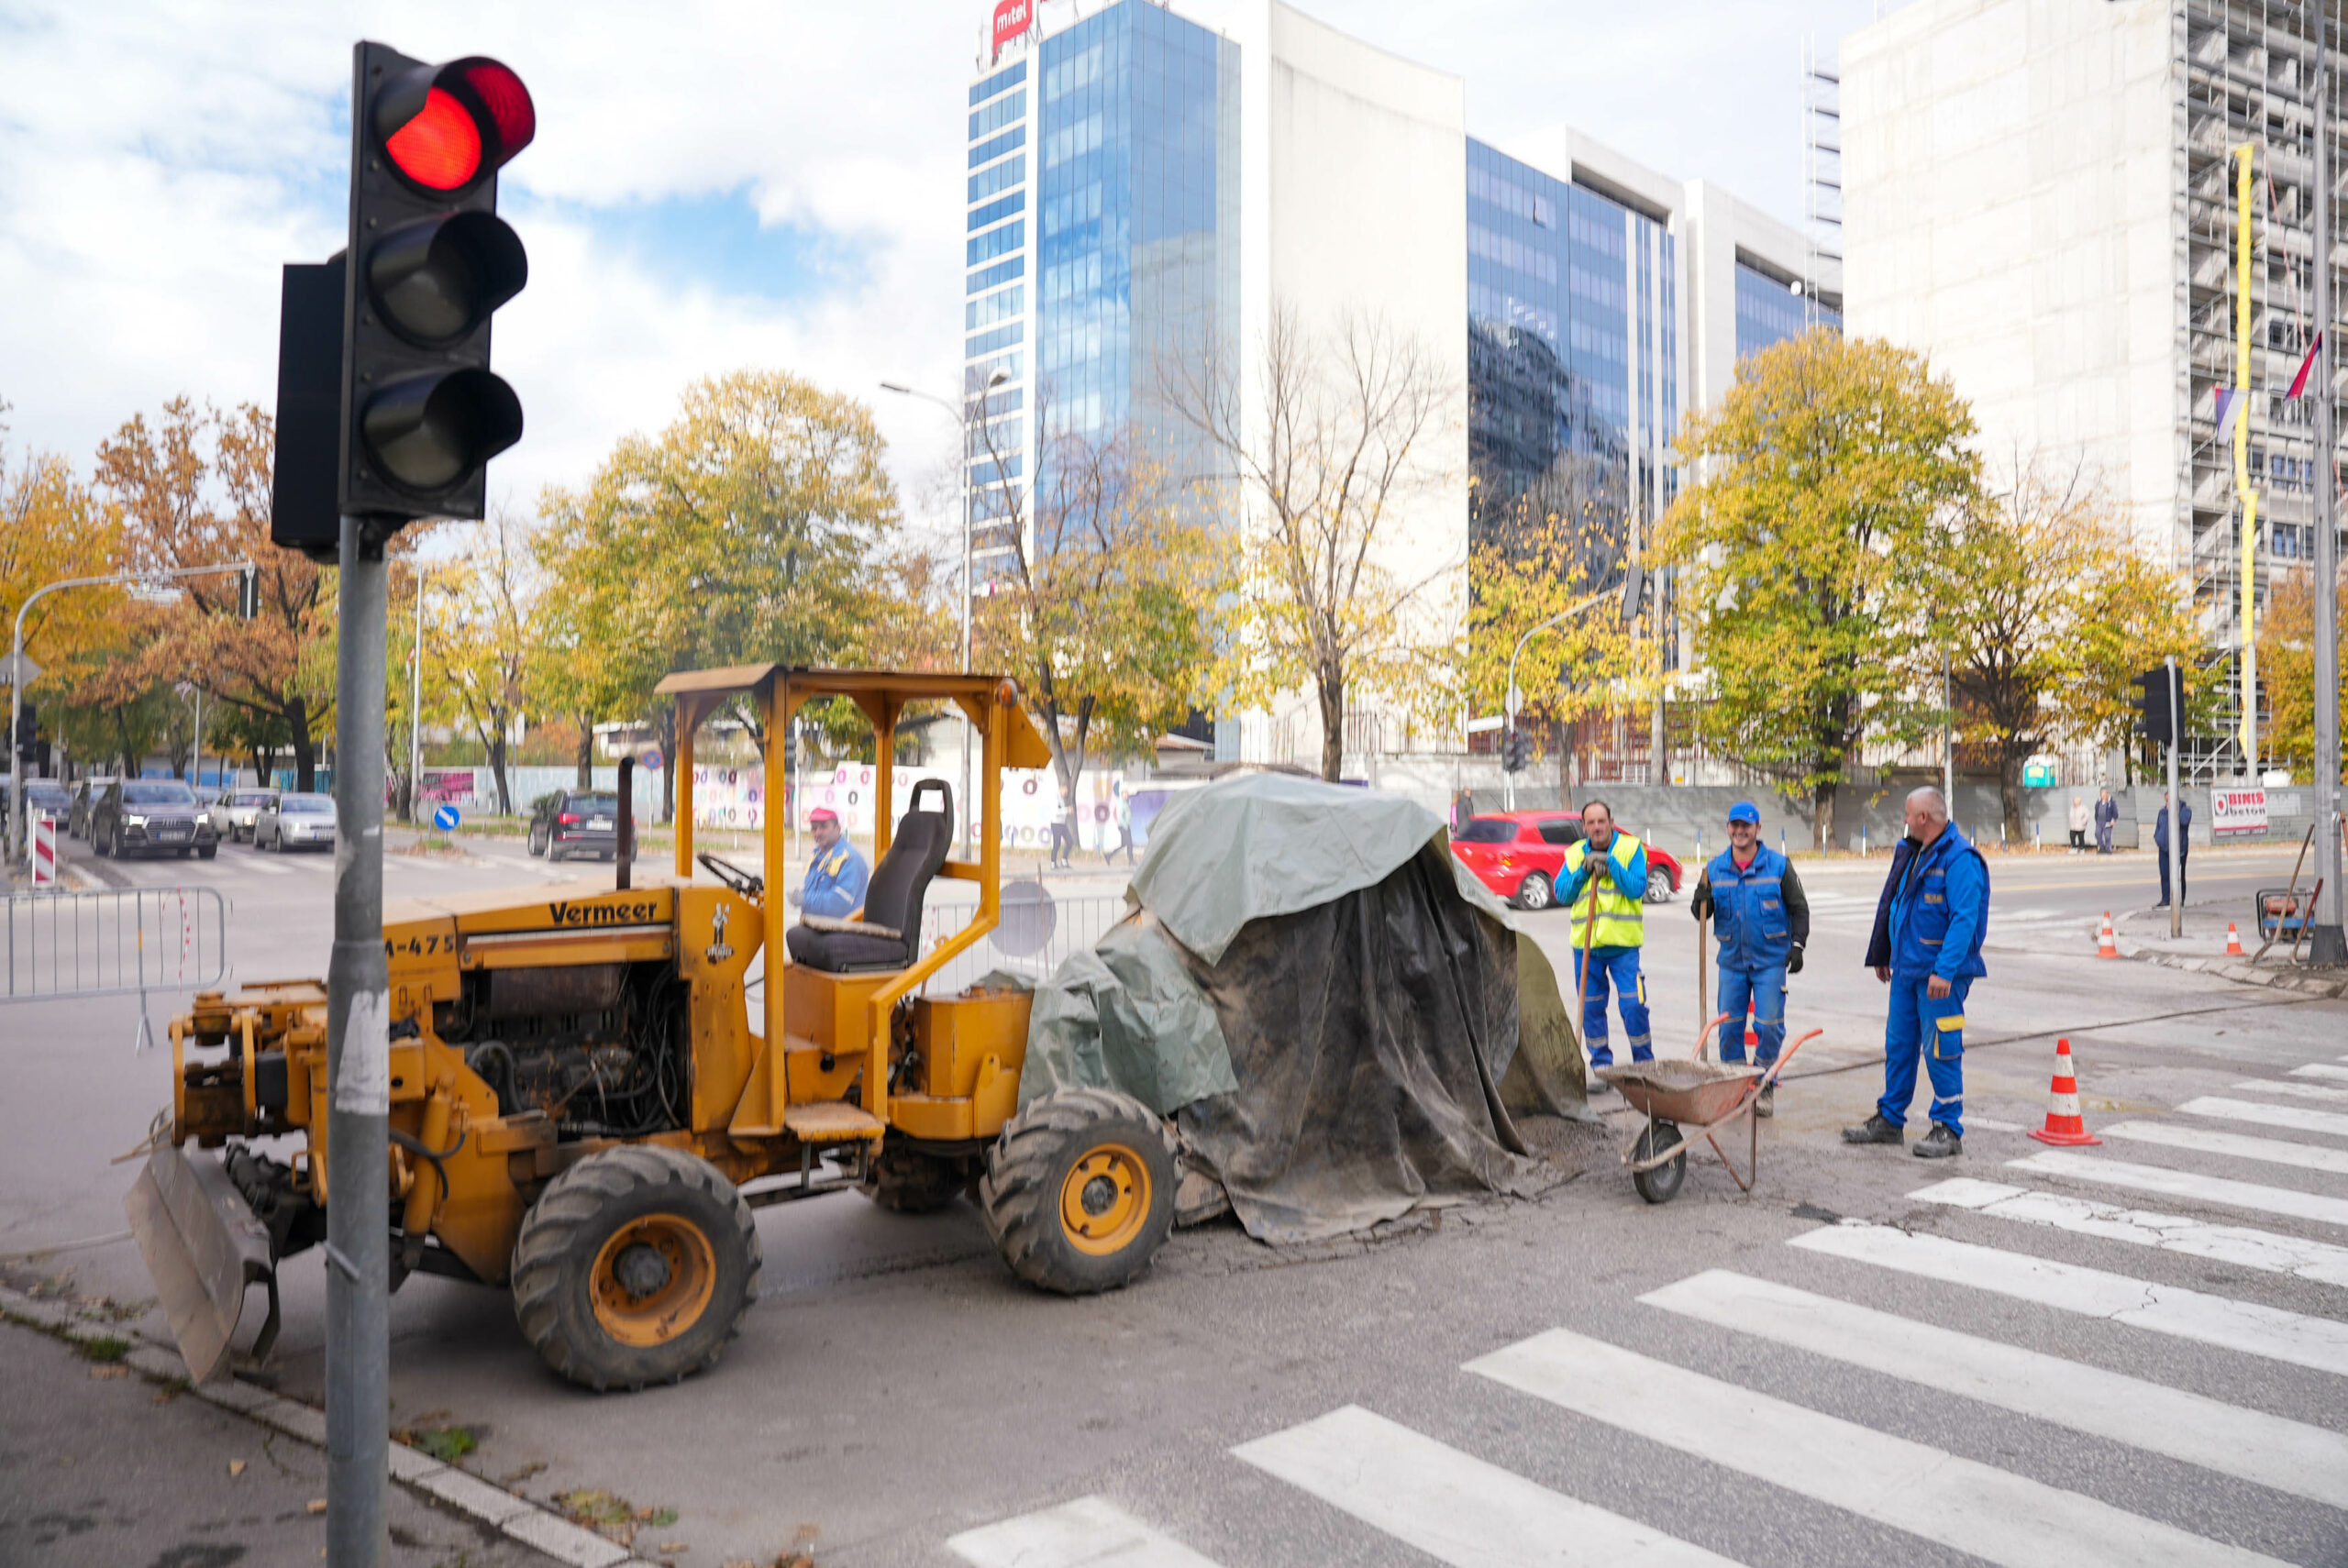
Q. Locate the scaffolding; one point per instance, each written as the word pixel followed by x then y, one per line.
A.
pixel 1821 174
pixel 2247 79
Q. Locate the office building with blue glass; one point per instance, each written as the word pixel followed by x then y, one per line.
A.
pixel 1147 187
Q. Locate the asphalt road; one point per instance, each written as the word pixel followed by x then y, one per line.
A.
pixel 2036 1376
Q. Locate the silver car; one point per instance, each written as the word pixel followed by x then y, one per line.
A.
pixel 238 808
pixel 296 822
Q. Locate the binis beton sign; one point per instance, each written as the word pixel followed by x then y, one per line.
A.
pixel 1012 19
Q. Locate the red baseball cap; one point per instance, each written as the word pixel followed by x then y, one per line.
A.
pixel 822 814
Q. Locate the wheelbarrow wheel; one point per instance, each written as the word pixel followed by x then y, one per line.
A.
pixel 1660 1185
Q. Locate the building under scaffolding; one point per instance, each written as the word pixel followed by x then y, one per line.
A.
pixel 2041 195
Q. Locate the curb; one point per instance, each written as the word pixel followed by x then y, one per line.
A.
pixel 517 1518
pixel 2243 973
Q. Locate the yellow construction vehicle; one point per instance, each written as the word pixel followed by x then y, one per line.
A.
pixel 581 1092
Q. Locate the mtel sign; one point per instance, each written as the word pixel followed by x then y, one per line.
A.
pixel 1012 20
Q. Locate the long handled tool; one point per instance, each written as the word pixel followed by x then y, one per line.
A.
pixel 1589 935
pixel 1703 970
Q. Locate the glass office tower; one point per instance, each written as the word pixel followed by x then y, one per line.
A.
pixel 1769 311
pixel 1572 353
pixel 1122 269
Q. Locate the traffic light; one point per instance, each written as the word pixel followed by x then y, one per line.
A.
pixel 1516 751
pixel 790 750
pixel 429 261
pixel 2160 694
pixel 28 726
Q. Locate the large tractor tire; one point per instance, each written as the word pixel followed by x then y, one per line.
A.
pixel 1079 1193
pixel 907 1181
pixel 634 1267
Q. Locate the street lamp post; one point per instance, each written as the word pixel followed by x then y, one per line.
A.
pixel 2327 945
pixel 961 417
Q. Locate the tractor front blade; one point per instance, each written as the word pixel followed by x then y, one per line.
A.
pixel 204 1247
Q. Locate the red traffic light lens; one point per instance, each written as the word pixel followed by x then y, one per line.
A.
pixel 440 147
pixel 507 101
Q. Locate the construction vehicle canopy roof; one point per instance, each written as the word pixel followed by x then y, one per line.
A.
pixel 777 691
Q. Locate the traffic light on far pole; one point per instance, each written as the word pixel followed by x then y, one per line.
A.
pixel 429 261
pixel 1516 751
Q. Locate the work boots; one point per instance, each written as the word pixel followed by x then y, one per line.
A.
pixel 1766 1105
pixel 1873 1129
pixel 1939 1144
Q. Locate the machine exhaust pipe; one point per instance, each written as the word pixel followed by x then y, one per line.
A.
pixel 624 855
pixel 203 1245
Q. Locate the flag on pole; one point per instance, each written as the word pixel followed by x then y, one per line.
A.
pixel 2225 401
pixel 2300 381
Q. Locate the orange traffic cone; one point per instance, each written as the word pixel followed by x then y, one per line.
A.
pixel 2233 941
pixel 2107 944
pixel 2065 1125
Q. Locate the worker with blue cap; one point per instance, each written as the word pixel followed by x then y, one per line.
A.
pixel 1762 919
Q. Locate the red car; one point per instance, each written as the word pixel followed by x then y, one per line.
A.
pixel 1519 855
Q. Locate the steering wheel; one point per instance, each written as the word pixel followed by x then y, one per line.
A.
pixel 733 875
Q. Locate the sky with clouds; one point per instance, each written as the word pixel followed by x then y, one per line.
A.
pixel 714 184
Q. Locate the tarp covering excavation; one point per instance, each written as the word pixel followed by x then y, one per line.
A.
pixel 1339 1017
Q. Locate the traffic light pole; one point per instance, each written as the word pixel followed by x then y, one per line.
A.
pixel 18 838
pixel 2175 850
pixel 358 1071
pixel 2327 944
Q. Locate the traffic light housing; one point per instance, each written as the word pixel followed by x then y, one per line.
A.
pixel 1516 751
pixel 28 726
pixel 2160 694
pixel 429 262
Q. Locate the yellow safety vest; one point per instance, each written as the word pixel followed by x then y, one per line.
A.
pixel 1622 922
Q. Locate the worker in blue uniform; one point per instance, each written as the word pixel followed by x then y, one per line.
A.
pixel 1610 926
pixel 1927 947
pixel 1762 919
pixel 837 875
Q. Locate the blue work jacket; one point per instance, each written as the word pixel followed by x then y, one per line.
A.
pixel 1749 910
pixel 1934 909
pixel 834 883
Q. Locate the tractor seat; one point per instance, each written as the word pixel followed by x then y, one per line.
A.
pixel 889 936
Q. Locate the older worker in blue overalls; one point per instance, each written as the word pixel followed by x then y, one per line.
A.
pixel 836 877
pixel 1763 921
pixel 1927 947
pixel 1612 932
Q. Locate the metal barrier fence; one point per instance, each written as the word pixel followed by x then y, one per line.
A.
pixel 1036 932
pixel 120 942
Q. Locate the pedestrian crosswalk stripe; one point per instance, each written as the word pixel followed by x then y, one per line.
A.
pixel 2205 1141
pixel 2304 1091
pixel 2268 1331
pixel 1087 1531
pixel 1454 1506
pixel 1956 1503
pixel 269 868
pixel 2290 1457
pixel 2299 1119
pixel 2318 1260
pixel 2188 1185
pixel 2319 1070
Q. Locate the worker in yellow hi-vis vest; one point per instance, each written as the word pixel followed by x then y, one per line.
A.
pixel 1603 887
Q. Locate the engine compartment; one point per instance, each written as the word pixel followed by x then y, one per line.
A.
pixel 602 1049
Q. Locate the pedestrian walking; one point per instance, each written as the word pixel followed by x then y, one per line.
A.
pixel 2079 819
pixel 1761 918
pixel 2107 818
pixel 1121 811
pixel 1608 927
pixel 1064 832
pixel 1927 947
pixel 2183 847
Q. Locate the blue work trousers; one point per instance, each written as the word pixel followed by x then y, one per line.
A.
pixel 1761 992
pixel 1619 965
pixel 1920 1025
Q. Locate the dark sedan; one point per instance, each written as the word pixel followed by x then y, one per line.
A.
pixel 152 816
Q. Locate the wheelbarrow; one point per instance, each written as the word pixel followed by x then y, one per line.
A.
pixel 1684 1098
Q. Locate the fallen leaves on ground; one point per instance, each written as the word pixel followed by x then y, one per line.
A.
pixel 235 1468
pixel 611 1515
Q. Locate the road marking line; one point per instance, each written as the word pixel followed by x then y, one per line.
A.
pixel 266 869
pixel 2202 1140
pixel 1957 1503
pixel 1454 1506
pixel 2269 1331
pixel 2188 1184
pixel 2304 1091
pixel 2290 1456
pixel 2319 1070
pixel 1973 1122
pixel 2297 1118
pixel 2318 1260
pixel 1074 1535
